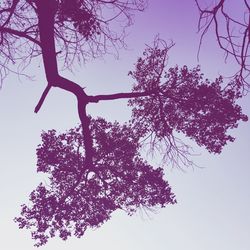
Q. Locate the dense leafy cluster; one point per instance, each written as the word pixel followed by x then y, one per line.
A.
pixel 79 197
pixel 77 12
pixel 184 101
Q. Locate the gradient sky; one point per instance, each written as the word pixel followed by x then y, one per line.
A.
pixel 213 201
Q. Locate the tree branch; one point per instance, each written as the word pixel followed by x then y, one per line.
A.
pixel 44 94
pixel 20 34
pixel 98 98
pixel 232 34
pixel 11 12
pixel 46 14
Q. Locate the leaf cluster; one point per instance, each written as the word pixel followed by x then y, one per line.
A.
pixel 183 102
pixel 78 197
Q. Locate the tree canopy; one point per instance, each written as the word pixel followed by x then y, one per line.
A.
pixel 79 197
pixel 97 167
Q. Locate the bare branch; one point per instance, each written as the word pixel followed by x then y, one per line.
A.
pixel 19 34
pixel 40 103
pixel 98 98
pixel 232 34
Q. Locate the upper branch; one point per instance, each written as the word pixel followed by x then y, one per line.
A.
pixel 232 31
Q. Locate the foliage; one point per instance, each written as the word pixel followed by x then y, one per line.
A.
pixel 77 12
pixel 183 102
pixel 77 197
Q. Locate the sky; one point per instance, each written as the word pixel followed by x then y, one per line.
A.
pixel 213 206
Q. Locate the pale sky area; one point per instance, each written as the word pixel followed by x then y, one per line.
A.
pixel 213 206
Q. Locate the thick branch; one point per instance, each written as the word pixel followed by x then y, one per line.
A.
pixel 46 20
pixel 46 10
pixel 98 98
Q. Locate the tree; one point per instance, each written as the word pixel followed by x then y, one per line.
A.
pixel 97 168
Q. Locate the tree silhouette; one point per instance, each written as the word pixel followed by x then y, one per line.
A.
pixel 96 167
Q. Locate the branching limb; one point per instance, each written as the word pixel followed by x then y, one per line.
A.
pixel 11 11
pixel 19 34
pixel 232 33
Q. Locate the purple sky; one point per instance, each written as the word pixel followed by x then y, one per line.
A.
pixel 213 200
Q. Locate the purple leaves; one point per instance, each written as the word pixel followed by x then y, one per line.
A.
pixel 78 197
pixel 187 103
pixel 77 12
